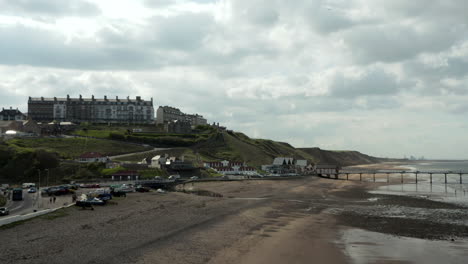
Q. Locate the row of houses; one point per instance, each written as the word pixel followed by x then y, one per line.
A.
pixel 103 110
pixel 226 167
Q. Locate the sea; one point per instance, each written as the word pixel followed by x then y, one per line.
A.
pixel 452 192
pixel 362 246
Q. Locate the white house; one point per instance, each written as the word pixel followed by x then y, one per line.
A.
pixel 89 157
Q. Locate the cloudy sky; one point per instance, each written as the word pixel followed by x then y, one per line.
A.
pixel 387 78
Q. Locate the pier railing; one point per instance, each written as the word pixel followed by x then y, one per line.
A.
pixel 402 173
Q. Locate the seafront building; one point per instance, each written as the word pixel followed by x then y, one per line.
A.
pixel 168 114
pixel 93 110
pixel 11 114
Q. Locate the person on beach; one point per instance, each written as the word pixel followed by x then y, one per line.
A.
pixel 50 200
pixel 55 198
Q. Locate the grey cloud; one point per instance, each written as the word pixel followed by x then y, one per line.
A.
pixel 325 18
pixel 257 12
pixel 49 7
pixel 394 43
pixel 183 32
pixel 158 3
pixel 27 46
pixel 373 82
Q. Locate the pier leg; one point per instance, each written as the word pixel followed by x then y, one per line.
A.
pixel 347 176
pixel 445 178
pixel 388 178
pixel 402 178
pixel 374 177
pixel 430 175
pixel 360 176
pixel 461 179
pixel 416 178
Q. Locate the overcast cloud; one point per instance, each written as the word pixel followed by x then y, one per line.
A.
pixel 387 78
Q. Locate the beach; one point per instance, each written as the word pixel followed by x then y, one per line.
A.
pixel 305 220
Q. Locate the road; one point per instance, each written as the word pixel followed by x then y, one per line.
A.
pixel 137 153
pixel 27 205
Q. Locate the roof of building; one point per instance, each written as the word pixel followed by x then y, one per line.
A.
pixel 90 155
pixel 326 166
pixel 301 163
pixel 283 160
pixel 10 112
pixel 126 173
pixel 92 99
pixel 6 123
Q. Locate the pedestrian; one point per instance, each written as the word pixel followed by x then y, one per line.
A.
pixel 55 198
pixel 50 200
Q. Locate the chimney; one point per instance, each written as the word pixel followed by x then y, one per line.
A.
pixel 81 98
pixel 105 97
pixel 92 97
pixel 55 99
pixel 116 98
pixel 42 98
pixel 128 98
pixel 138 98
pixel 11 108
pixel 68 97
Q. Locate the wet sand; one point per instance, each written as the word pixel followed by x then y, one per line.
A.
pixel 260 221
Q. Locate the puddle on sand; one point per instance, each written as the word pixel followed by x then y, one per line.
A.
pixel 451 193
pixel 370 247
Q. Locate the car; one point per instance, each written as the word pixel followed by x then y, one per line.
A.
pixel 194 178
pixel 142 189
pixel 96 201
pixel 4 211
pixel 32 190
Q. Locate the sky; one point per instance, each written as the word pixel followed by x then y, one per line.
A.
pixel 386 78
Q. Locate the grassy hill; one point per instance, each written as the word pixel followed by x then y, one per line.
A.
pixel 237 146
pixel 344 158
pixel 70 148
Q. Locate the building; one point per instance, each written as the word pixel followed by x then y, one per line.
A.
pixel 286 165
pixel 167 114
pixel 226 167
pixel 89 157
pixel 10 125
pixel 23 127
pixel 93 110
pixel 125 175
pixel 11 115
pixel 326 169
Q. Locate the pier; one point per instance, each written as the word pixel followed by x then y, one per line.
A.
pixel 346 173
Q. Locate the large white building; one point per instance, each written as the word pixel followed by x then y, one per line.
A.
pixel 167 114
pixel 94 110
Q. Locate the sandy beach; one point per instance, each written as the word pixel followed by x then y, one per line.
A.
pixel 257 221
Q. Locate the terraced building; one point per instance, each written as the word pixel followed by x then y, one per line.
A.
pixel 93 110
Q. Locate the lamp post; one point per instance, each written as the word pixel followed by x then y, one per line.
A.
pixel 47 179
pixel 39 183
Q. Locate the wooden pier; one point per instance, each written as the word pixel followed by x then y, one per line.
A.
pixel 387 173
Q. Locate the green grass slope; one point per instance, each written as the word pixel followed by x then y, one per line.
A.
pixel 344 158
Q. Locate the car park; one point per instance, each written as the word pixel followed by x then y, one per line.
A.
pixel 4 211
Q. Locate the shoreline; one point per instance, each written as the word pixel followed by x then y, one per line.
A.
pixel 253 222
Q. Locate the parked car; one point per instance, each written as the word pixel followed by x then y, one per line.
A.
pixel 194 178
pixel 90 202
pixel 4 211
pixel 32 190
pixel 142 189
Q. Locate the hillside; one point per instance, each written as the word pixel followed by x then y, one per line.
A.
pixel 237 146
pixel 210 145
pixel 344 158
